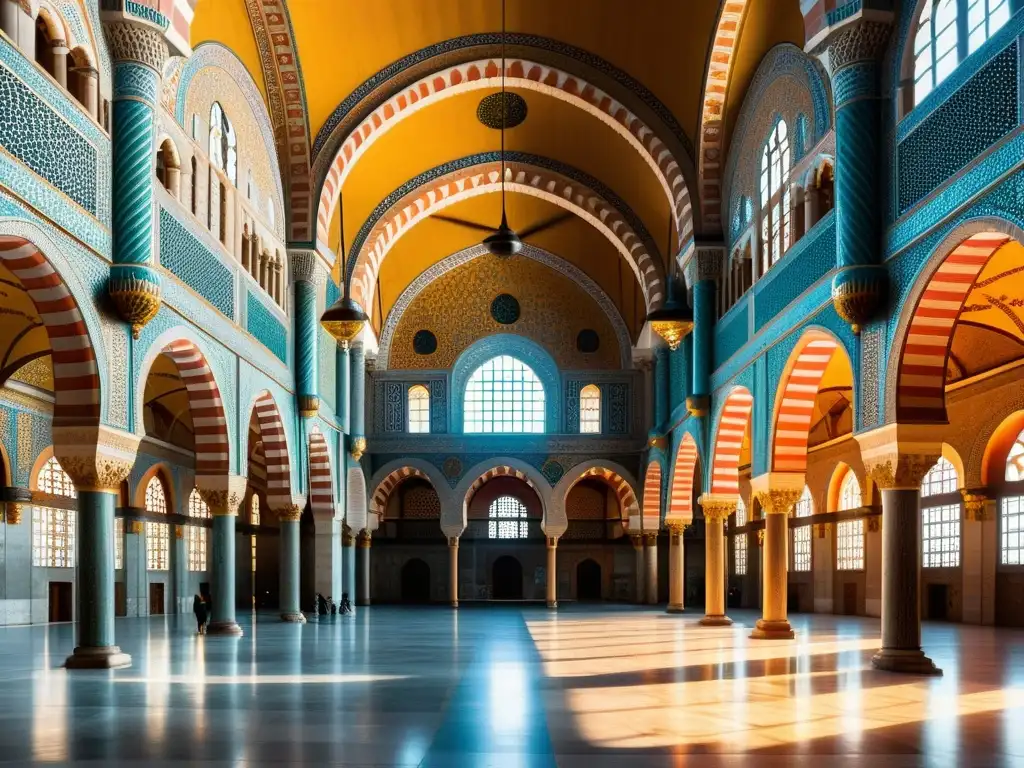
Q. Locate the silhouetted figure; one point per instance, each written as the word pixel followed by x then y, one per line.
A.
pixel 199 609
pixel 345 606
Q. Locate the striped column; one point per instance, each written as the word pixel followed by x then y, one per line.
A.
pixel 139 52
pixel 309 276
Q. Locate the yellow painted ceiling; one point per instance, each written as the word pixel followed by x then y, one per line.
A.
pixel 227 22
pixel 23 339
pixel 166 414
pixel 833 413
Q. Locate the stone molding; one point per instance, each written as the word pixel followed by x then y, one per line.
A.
pixel 223 494
pixel 717 507
pixel 898 456
pixel 98 458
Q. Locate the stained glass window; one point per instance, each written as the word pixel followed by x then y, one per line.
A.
pixel 53 530
pixel 157 534
pixel 419 409
pixel 504 395
pixel 775 196
pixel 590 409
pixel 507 519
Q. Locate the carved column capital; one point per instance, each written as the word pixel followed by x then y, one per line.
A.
pixel 650 538
pixel 223 494
pixel 138 43
pixel 364 539
pixel 897 457
pixel 637 540
pixel 98 458
pixel 975 502
pixel 347 539
pixel 777 501
pixel 717 507
pixel 292 511
pixel 863 40
pixel 307 266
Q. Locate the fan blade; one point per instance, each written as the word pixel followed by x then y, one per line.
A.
pixel 554 221
pixel 463 223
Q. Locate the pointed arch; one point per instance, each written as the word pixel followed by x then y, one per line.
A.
pixel 321 481
pixel 732 426
pixel 275 450
pixel 684 471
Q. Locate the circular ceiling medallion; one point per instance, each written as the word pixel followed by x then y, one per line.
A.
pixel 452 468
pixel 505 308
pixel 424 343
pixel 588 341
pixel 493 109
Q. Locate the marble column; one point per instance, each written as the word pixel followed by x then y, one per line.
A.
pixel 98 459
pixel 59 56
pixel 343 388
pixel 676 566
pixel 639 574
pixel 357 414
pixel 327 551
pixel 651 567
pixel 308 276
pixel 777 505
pixel 702 274
pixel 716 511
pixel 288 521
pixel 224 495
pixel 979 556
pixel 9 12
pixel 897 458
pixel 552 572
pixel 139 51
pixel 661 387
pixel 453 571
pixel 348 560
pixel 363 542
pixel 179 569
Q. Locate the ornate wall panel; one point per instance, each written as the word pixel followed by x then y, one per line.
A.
pixel 194 264
pixel 732 331
pixel 805 263
pixel 262 323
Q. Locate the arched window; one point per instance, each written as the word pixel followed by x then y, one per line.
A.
pixel 196 534
pixel 775 167
pixel 1011 516
pixel 504 395
pixel 223 143
pixel 419 409
pixel 168 168
pixel 948 31
pixel 739 541
pixel 53 529
pixel 590 409
pixel 157 534
pixel 940 522
pixel 850 533
pixel 802 533
pixel 506 519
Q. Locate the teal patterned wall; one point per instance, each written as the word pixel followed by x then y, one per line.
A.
pixel 268 330
pixel 185 256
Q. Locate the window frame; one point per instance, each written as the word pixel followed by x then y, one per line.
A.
pixel 801 548
pixel 775 195
pixel 592 393
pixel 517 513
pixel 479 411
pixel 1011 494
pixel 421 426
pixel 54 529
pixel 158 535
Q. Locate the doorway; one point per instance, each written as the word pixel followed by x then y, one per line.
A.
pixel 415 582
pixel 156 599
pixel 120 599
pixel 507 579
pixel 938 602
pixel 849 599
pixel 61 595
pixel 588 580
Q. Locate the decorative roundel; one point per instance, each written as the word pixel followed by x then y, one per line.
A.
pixel 587 340
pixel 505 308
pixel 552 471
pixel 424 343
pixel 452 468
pixel 492 109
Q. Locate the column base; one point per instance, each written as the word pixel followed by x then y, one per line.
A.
pixel 224 628
pixel 716 621
pixel 294 618
pixel 674 609
pixel 906 662
pixel 454 603
pixel 109 657
pixel 552 603
pixel 772 630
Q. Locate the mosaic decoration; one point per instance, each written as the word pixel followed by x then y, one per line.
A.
pixel 677 360
pixel 588 341
pixel 810 259
pixel 981 112
pixel 505 309
pixel 264 325
pixel 424 343
pixel 40 138
pixel 474 175
pixel 443 267
pixel 731 332
pixel 871 341
pixel 188 258
pixel 452 469
pixel 392 406
pixel 573 387
pixel 617 415
pixel 552 471
pixel 438 407
pixel 502 110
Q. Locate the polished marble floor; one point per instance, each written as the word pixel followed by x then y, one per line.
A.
pixel 510 687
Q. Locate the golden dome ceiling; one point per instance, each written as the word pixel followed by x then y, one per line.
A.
pixel 368 97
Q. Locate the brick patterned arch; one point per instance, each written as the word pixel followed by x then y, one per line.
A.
pixel 321 482
pixel 209 424
pixel 652 491
pixel 628 506
pixel 794 407
pixel 485 74
pixel 500 471
pixel 484 178
pixel 382 493
pixel 733 424
pixel 710 153
pixel 275 451
pixel 680 499
pixel 921 382
pixel 76 378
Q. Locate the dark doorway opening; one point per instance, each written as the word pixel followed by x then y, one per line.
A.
pixel 588 580
pixel 120 599
pixel 507 578
pixel 415 582
pixel 849 599
pixel 156 599
pixel 61 595
pixel 938 602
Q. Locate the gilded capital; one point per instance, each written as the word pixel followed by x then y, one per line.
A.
pixel 650 538
pixel 897 457
pixel 364 539
pixel 717 507
pixel 637 540
pixel 223 494
pixel 358 447
pixel 975 501
pixel 292 510
pixel 900 471
pixel 98 458
pixel 777 501
pixel 347 539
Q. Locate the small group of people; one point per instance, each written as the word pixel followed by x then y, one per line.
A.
pixel 201 608
pixel 325 606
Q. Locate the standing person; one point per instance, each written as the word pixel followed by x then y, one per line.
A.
pixel 199 609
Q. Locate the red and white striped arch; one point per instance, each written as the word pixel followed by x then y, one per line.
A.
pixel 382 493
pixel 711 155
pixel 523 178
pixel 680 499
pixel 485 74
pixel 628 506
pixel 76 378
pixel 733 425
pixel 794 407
pixel 205 406
pixel 275 451
pixel 652 491
pixel 321 483
pixel 499 471
pixel 921 386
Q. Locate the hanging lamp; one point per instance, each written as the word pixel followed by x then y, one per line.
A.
pixel 344 319
pixel 673 320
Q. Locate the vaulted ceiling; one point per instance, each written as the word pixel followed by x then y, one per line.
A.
pixel 616 94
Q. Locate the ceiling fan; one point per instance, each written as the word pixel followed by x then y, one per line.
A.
pixel 503 242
